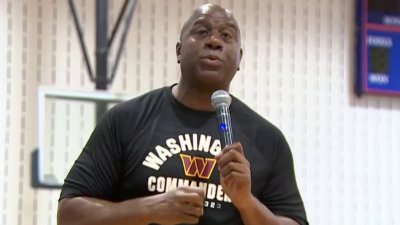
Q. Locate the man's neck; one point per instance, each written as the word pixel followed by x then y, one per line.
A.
pixel 193 98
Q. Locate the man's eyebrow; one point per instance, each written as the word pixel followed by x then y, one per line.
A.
pixel 233 25
pixel 202 21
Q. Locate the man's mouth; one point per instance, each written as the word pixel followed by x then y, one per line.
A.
pixel 212 57
pixel 211 62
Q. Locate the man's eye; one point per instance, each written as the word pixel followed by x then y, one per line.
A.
pixel 202 32
pixel 226 35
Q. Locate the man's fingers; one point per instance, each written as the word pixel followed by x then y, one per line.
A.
pixel 232 156
pixel 191 205
pixel 191 195
pixel 199 191
pixel 234 167
pixel 192 199
pixel 234 179
pixel 237 146
pixel 234 175
pixel 181 205
pixel 192 210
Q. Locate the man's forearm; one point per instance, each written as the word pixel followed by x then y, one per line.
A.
pixel 89 211
pixel 180 205
pixel 258 214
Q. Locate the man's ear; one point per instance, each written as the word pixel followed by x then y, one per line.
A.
pixel 178 51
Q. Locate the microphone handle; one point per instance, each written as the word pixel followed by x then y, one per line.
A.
pixel 224 126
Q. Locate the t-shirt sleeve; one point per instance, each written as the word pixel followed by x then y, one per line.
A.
pixel 281 194
pixel 96 171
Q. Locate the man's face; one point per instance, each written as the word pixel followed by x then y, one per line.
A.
pixel 210 50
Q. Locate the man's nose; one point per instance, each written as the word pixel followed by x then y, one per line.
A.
pixel 214 42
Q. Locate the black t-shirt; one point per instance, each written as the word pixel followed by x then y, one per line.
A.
pixel 153 143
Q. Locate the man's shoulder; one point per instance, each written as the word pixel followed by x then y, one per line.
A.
pixel 252 122
pixel 147 99
pixel 249 115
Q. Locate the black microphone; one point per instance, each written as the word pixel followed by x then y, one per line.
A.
pixel 221 100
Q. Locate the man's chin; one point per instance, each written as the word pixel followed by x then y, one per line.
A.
pixel 212 76
pixel 211 80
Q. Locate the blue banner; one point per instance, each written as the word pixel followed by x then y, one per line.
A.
pixel 378 47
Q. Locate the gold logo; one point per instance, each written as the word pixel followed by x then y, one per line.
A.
pixel 197 166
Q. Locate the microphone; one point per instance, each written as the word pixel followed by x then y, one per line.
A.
pixel 221 100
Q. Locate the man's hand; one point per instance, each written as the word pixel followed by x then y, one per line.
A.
pixel 235 176
pixel 181 205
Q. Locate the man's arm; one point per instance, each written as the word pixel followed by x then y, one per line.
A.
pixel 182 205
pixel 256 213
pixel 235 179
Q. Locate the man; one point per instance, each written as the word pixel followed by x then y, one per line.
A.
pixel 156 159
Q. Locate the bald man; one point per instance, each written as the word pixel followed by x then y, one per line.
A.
pixel 157 159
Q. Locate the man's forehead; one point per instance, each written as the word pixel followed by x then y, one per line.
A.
pixel 221 19
pixel 207 8
pixel 208 11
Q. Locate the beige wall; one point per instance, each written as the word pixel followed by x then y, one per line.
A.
pixel 297 71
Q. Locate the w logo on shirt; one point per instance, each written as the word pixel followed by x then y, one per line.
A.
pixel 197 166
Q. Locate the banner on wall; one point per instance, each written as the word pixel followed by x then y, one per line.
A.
pixel 378 47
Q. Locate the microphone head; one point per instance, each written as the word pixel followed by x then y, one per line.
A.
pixel 220 98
